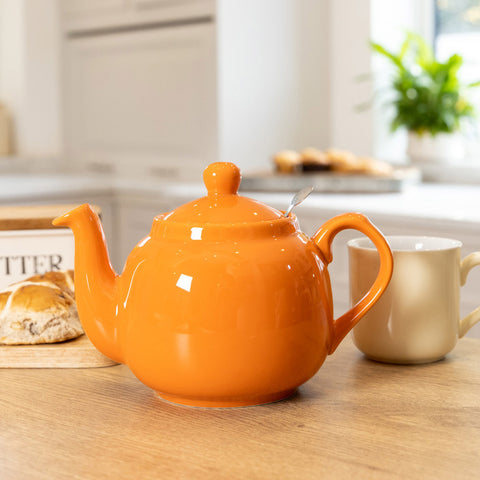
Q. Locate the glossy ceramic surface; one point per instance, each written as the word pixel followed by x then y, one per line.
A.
pixel 225 303
pixel 417 320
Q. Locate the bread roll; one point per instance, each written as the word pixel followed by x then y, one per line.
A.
pixel 346 162
pixel 38 310
pixel 62 278
pixel 343 160
pixel 314 160
pixel 287 161
pixel 372 166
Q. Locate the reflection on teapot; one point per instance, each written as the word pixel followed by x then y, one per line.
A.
pixel 225 303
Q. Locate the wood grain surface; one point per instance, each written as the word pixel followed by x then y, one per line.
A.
pixel 77 353
pixel 355 419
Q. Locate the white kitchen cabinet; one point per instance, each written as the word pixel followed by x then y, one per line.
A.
pixel 163 87
pixel 94 15
pixel 141 103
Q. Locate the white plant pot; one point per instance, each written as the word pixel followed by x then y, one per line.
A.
pixel 447 148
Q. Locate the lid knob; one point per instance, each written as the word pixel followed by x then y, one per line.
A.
pixel 222 177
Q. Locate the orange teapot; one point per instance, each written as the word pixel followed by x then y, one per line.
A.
pixel 225 303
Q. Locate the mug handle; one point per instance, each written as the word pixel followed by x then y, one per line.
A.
pixel 472 318
pixel 323 239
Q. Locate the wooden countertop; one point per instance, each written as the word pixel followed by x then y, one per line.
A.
pixel 354 419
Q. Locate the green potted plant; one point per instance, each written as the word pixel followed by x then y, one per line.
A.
pixel 429 100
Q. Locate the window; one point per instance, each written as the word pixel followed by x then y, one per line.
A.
pixel 457 30
pixel 453 26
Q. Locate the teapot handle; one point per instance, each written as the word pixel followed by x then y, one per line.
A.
pixel 323 239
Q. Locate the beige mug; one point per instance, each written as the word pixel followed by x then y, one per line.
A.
pixel 417 320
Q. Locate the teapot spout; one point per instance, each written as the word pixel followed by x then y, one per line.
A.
pixel 95 280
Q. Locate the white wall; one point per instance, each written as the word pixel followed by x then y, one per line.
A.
pixel 349 58
pixel 314 127
pixel 11 54
pixel 258 84
pixel 29 74
pixel 273 82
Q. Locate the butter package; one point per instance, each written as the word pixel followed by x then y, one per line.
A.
pixel 31 245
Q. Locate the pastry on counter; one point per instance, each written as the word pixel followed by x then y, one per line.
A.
pixel 372 166
pixel 287 161
pixel 314 160
pixel 40 309
pixel 311 160
pixel 346 162
pixel 342 160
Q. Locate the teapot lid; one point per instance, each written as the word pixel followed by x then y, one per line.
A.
pixel 223 205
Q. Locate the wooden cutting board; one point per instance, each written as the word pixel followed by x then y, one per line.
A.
pixel 77 353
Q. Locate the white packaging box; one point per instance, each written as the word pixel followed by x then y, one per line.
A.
pixel 24 253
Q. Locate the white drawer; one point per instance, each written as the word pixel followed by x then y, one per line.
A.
pixel 100 16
